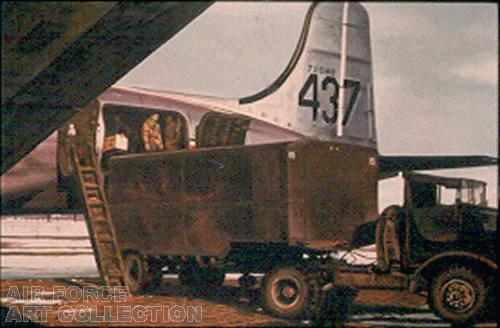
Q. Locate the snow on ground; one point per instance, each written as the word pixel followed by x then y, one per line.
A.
pixel 43 225
pixel 25 267
pixel 60 248
pixel 29 245
pixel 34 247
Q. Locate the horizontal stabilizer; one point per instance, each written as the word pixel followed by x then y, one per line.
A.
pixel 391 165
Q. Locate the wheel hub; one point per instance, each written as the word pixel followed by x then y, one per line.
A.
pixel 289 292
pixel 286 292
pixel 459 295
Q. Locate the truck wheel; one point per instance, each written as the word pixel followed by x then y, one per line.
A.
pixel 458 295
pixel 286 293
pixel 140 277
pixel 135 273
pixel 386 238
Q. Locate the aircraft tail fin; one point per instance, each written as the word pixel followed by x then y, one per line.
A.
pixel 309 96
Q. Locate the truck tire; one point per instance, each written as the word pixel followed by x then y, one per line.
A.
pixel 386 238
pixel 383 264
pixel 458 295
pixel 285 293
pixel 140 275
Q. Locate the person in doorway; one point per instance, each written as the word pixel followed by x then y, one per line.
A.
pixel 151 133
pixel 172 135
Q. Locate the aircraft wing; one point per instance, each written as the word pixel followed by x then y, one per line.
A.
pixel 57 56
pixel 390 166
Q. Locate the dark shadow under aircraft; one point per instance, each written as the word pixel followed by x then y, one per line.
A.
pixel 58 56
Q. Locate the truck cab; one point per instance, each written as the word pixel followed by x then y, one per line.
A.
pixel 443 237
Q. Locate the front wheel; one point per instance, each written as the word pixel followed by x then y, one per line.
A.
pixel 458 295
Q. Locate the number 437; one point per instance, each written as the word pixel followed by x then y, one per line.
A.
pixel 312 81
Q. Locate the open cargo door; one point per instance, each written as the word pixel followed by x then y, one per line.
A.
pixel 217 129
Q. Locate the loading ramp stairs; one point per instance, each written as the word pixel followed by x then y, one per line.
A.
pixel 97 216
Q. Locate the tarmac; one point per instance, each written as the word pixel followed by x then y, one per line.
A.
pixel 56 253
pixel 226 306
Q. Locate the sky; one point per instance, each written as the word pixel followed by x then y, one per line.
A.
pixel 435 70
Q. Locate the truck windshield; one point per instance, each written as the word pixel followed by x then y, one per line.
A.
pixel 422 190
pixel 468 193
pixel 472 192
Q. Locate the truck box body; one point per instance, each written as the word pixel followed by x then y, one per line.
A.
pixel 199 202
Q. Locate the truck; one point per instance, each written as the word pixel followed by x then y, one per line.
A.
pixel 284 210
pixel 439 243
pixel 274 209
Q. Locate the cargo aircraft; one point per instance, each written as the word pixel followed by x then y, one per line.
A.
pixel 324 93
pixel 270 183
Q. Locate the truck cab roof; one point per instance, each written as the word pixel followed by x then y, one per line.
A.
pixel 424 190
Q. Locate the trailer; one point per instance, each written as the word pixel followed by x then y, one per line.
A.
pixel 277 209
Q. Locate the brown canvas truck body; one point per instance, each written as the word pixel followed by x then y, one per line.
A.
pixel 204 202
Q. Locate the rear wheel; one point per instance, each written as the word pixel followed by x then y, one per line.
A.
pixel 286 293
pixel 141 275
pixel 458 295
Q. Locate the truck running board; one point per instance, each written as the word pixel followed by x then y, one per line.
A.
pixel 98 218
pixel 365 279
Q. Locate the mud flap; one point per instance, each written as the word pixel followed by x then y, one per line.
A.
pixel 331 304
pixel 334 306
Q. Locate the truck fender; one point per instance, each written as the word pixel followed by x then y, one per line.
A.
pixel 418 274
